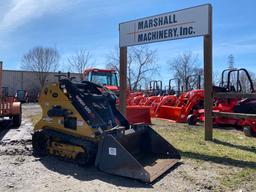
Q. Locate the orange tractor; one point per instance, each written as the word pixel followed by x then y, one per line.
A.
pixel 108 78
pixel 174 103
pixel 9 107
pixel 179 107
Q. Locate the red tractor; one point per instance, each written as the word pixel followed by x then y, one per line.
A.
pixel 104 77
pixel 9 107
pixel 184 106
pixel 233 105
pixel 108 78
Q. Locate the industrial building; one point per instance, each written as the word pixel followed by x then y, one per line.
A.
pixel 27 80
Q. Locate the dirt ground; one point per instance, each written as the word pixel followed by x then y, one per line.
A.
pixel 21 171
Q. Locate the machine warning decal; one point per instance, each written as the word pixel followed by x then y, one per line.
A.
pixel 112 151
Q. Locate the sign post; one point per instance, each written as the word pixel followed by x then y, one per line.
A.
pixel 208 101
pixel 186 23
pixel 123 79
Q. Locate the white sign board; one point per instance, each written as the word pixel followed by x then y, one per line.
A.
pixel 184 23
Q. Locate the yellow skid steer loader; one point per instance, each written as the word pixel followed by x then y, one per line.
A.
pixel 80 123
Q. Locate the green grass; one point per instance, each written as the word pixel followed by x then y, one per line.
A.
pixel 230 148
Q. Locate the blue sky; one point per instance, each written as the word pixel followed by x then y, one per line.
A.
pixel 93 25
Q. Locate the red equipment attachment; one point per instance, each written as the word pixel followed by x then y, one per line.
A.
pixel 136 100
pixel 138 114
pixel 168 100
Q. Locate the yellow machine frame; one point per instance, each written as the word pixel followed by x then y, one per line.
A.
pixel 47 100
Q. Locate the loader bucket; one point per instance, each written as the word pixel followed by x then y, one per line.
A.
pixel 139 153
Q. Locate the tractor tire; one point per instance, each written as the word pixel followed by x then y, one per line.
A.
pixel 191 119
pixel 16 120
pixel 247 131
pixel 40 144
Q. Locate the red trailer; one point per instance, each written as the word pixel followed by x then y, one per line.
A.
pixel 9 107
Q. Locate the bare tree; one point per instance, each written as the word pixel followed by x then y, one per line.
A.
pixel 113 63
pixel 41 60
pixel 80 61
pixel 141 64
pixel 186 65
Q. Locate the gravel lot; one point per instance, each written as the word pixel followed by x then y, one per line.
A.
pixel 21 171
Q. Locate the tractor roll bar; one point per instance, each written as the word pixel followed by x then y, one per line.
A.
pixel 198 81
pixel 222 77
pixel 229 79
pixel 155 86
pixel 238 83
pixel 248 76
pixel 178 84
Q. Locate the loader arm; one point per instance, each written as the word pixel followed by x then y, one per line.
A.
pixel 86 96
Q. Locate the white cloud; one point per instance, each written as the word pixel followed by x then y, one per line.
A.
pixel 20 12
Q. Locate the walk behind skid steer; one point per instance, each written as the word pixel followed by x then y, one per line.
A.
pixel 81 123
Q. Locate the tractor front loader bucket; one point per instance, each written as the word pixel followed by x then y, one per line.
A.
pixel 138 153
